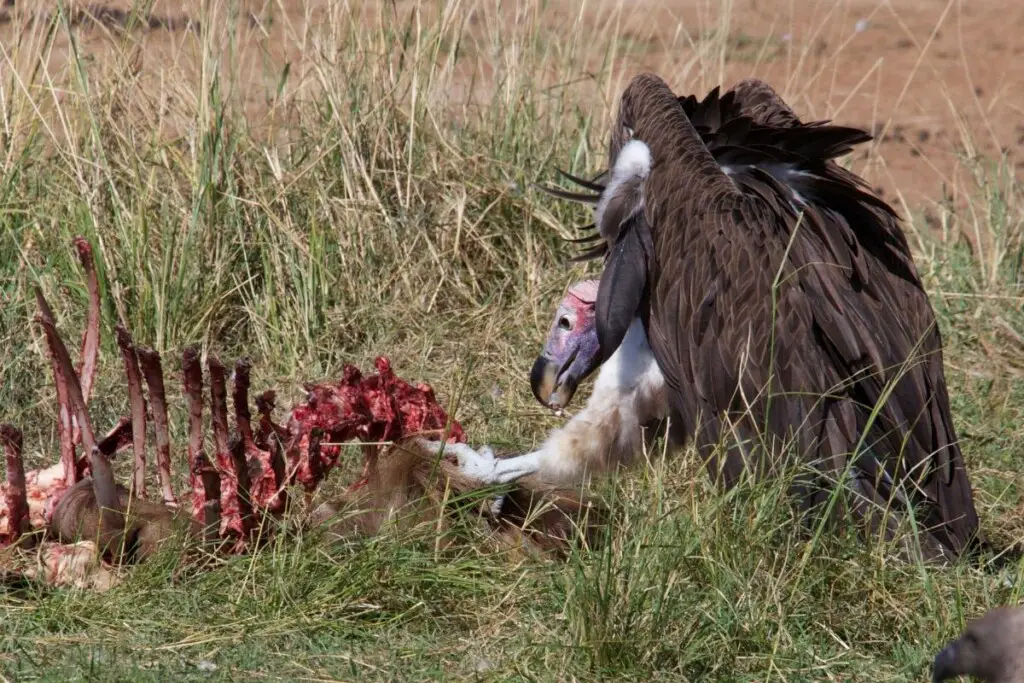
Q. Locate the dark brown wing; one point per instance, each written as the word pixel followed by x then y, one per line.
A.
pixel 887 302
pixel 862 219
pixel 761 315
pixel 759 101
pixel 623 293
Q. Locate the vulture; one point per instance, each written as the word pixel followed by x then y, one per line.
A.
pixel 991 649
pixel 784 310
pixel 779 300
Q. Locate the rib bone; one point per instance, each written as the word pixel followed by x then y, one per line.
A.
pixel 266 477
pixel 64 422
pixel 91 336
pixel 138 407
pixel 235 506
pixel 204 479
pixel 16 496
pixel 153 372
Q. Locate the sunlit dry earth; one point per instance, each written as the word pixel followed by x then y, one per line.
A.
pixel 934 81
pixel 931 79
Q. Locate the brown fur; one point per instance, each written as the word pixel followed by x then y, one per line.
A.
pixel 409 485
pixel 146 524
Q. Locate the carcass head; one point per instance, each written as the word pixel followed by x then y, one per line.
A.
pixel 571 351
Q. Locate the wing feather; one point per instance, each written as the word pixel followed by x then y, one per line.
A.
pixel 830 337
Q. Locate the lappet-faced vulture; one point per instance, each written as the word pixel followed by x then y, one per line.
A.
pixel 754 262
pixel 566 360
pixel 784 310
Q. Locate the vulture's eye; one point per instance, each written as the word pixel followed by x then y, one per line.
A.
pixel 564 323
pixel 629 133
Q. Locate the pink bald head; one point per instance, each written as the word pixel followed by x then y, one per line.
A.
pixel 571 351
pixel 585 292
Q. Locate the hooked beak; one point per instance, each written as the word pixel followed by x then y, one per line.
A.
pixel 572 350
pixel 554 383
pixel 945 665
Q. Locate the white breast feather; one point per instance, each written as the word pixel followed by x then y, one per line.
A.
pixel 634 161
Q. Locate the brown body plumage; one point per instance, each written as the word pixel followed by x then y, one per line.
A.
pixel 782 304
pixel 991 649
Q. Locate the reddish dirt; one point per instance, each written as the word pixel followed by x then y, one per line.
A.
pixel 934 80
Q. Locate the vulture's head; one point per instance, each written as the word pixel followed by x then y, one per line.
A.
pixel 991 649
pixel 571 352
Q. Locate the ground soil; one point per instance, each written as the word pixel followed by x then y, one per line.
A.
pixel 937 82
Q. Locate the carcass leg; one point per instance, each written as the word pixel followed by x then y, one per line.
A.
pixel 117 438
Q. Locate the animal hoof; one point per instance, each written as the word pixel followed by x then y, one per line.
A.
pixel 496 505
pixel 479 465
